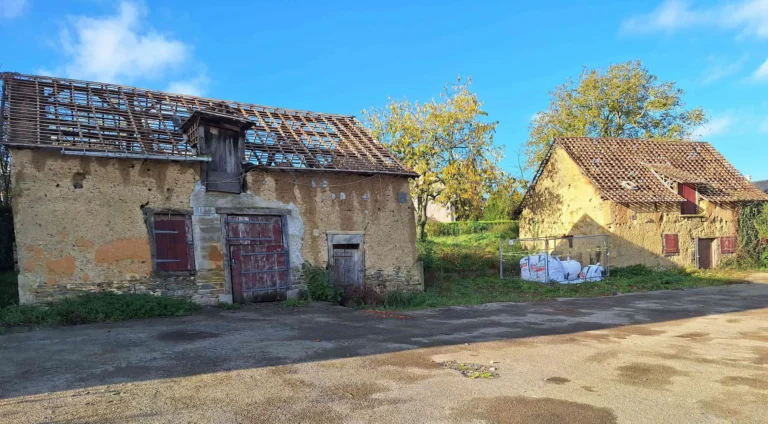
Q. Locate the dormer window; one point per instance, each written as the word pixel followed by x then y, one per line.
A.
pixel 222 139
pixel 690 205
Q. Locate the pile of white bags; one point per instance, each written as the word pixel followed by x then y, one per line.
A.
pixel 546 268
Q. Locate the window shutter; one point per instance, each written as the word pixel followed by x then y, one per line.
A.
pixel 173 244
pixel 728 244
pixel 671 245
pixel 688 207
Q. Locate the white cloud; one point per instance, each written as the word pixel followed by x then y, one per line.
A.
pixel 668 16
pixel 192 87
pixel 750 17
pixel 761 74
pixel 716 126
pixel 721 69
pixel 119 48
pixel 10 9
pixel 763 127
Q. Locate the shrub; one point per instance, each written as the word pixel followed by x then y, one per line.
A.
pixel 9 288
pixel 508 228
pixel 361 296
pixel 426 254
pixel 752 250
pixel 319 283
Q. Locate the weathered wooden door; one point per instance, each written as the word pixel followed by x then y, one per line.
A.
pixel 225 171
pixel 704 253
pixel 347 265
pixel 258 257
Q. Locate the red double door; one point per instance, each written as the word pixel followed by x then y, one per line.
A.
pixel 258 258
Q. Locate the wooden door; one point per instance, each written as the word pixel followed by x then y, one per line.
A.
pixel 688 192
pixel 225 170
pixel 704 252
pixel 347 269
pixel 258 258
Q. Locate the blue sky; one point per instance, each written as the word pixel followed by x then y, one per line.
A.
pixel 344 56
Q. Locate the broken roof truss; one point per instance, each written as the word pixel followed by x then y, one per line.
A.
pixel 120 121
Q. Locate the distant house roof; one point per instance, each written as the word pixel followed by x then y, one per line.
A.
pixel 762 185
pixel 643 171
pixel 80 116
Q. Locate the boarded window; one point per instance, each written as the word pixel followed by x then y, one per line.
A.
pixel 688 192
pixel 728 244
pixel 670 244
pixel 174 248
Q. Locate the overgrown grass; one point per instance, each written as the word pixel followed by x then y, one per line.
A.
pixel 96 307
pixel 9 288
pixel 463 253
pixel 453 291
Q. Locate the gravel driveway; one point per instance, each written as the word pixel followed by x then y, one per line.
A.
pixel 695 356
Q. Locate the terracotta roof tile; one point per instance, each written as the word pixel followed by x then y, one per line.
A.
pixel 613 164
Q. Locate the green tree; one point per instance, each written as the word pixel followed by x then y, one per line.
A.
pixel 625 100
pixel 447 142
pixel 503 199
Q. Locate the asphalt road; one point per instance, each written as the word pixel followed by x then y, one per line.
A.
pixel 697 356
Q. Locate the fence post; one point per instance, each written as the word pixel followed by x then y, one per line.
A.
pixel 501 259
pixel 546 260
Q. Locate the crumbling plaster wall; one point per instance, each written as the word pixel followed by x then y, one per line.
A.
pixel 331 202
pixel 638 232
pixel 565 202
pixel 80 224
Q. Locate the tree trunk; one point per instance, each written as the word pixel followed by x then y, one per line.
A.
pixel 421 215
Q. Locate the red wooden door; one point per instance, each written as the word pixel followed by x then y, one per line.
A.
pixel 688 207
pixel 258 258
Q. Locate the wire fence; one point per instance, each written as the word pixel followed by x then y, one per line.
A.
pixel 515 256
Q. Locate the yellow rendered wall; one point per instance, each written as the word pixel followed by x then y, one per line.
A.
pixel 564 202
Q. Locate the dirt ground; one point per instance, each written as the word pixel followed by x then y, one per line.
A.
pixel 693 356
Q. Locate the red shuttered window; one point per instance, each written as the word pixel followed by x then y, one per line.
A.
pixel 689 206
pixel 173 245
pixel 728 244
pixel 670 244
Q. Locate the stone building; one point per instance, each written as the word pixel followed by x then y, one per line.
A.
pixel 130 190
pixel 663 203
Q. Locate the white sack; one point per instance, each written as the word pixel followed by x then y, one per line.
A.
pixel 592 273
pixel 571 269
pixel 536 268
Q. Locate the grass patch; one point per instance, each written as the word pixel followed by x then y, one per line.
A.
pixel 96 307
pixel 229 306
pixel 294 303
pixel 454 291
pixel 471 370
pixel 9 288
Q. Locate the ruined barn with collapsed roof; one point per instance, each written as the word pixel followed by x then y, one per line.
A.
pixel 130 190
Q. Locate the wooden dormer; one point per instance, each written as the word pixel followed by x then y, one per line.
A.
pixel 222 138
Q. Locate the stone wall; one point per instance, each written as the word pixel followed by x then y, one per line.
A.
pixel 80 223
pixel 564 202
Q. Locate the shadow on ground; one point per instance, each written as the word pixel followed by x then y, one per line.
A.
pixel 64 358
